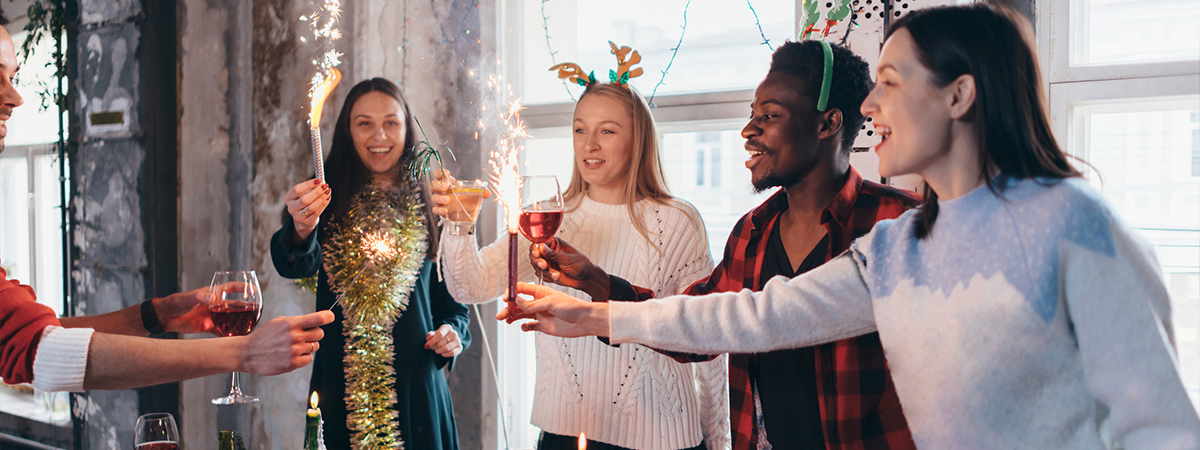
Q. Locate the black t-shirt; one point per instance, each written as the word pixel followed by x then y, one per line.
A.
pixel 787 379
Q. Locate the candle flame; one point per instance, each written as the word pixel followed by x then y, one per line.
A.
pixel 312 400
pixel 506 175
pixel 319 93
pixel 582 441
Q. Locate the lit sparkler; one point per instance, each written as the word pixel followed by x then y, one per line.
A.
pixel 506 176
pixel 376 247
pixel 327 77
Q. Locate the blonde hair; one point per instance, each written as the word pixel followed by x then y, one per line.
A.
pixel 645 178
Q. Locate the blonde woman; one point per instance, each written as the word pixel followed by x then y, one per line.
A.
pixel 619 210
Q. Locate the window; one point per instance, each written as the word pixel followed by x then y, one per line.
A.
pixel 31 226
pixel 1124 86
pixel 31 237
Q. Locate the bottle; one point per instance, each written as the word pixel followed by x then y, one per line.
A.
pixel 225 440
pixel 228 440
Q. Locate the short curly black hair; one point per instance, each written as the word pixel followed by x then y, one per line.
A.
pixel 850 85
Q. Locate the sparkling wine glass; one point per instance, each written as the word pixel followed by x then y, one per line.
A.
pixel 156 431
pixel 466 199
pixel 235 308
pixel 541 208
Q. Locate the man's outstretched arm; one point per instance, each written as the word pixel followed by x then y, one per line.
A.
pixel 115 361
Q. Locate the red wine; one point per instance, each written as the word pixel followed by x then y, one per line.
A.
pixel 540 226
pixel 234 318
pixel 158 445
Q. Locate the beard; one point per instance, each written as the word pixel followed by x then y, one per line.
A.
pixel 770 181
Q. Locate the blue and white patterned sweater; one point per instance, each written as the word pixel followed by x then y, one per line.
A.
pixel 1033 319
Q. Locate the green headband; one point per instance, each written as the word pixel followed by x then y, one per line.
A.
pixel 823 100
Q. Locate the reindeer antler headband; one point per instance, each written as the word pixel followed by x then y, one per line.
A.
pixel 574 73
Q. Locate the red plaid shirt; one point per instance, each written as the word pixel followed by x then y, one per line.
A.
pixel 858 402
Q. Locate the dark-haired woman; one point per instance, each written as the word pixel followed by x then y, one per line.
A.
pixel 373 143
pixel 1015 309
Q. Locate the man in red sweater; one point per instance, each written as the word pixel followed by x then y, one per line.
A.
pixel 102 352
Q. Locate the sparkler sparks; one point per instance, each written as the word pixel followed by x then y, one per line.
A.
pixel 378 247
pixel 506 175
pixel 327 77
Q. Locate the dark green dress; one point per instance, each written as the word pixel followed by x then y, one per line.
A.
pixel 426 415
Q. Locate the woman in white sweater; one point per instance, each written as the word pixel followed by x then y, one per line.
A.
pixel 1016 310
pixel 619 212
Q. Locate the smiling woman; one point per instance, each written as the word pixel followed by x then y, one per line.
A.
pixel 379 133
pixel 370 191
pixel 620 214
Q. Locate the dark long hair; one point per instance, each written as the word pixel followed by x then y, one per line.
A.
pixel 346 173
pixel 993 44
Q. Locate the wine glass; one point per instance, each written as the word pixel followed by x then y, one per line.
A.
pixel 235 308
pixel 156 431
pixel 541 208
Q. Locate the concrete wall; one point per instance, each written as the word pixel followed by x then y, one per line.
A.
pixel 244 142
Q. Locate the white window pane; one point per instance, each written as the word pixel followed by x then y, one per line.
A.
pixel 722 48
pixel 48 232
pixel 33 124
pixel 551 155
pixel 1125 31
pixel 14 222
pixel 722 191
pixel 1148 158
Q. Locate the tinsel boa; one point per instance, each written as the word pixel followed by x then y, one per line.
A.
pixel 383 236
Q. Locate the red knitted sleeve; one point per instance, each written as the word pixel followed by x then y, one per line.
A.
pixel 22 320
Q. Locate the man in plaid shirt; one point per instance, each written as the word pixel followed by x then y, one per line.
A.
pixel 837 395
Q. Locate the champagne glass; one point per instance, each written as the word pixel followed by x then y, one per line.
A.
pixel 541 208
pixel 235 308
pixel 466 196
pixel 156 431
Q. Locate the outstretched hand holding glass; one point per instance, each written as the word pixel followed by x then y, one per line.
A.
pixel 235 308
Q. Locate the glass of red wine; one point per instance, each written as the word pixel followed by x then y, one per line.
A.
pixel 541 208
pixel 156 431
pixel 235 308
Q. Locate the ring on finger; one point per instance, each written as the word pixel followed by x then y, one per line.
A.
pixel 312 347
pixel 305 211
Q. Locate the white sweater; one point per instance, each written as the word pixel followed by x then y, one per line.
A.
pixel 1032 321
pixel 630 396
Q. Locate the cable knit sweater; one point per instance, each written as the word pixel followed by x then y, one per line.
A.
pixel 630 396
pixel 1036 320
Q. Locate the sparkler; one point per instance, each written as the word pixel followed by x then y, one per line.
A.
pixel 376 247
pixel 327 77
pixel 506 177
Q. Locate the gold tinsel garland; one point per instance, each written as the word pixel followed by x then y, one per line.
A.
pixel 381 240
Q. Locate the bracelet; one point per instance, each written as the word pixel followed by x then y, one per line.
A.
pixel 150 318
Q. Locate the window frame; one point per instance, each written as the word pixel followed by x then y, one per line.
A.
pixel 1071 90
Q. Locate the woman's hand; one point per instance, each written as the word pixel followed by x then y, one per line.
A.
pixel 439 188
pixel 556 313
pixel 305 202
pixel 444 341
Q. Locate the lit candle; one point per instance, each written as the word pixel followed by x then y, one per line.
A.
pixel 313 422
pixel 582 441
